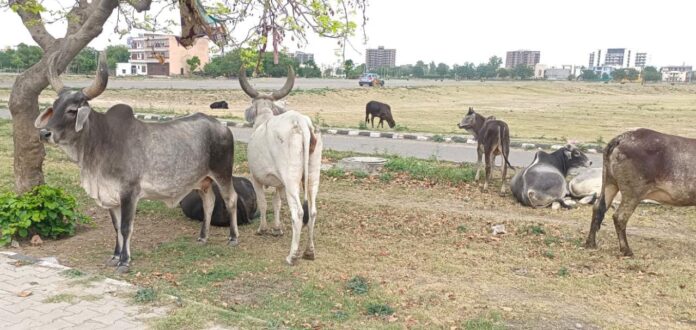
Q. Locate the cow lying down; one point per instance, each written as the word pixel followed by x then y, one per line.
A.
pixel 247 210
pixel 587 186
pixel 543 182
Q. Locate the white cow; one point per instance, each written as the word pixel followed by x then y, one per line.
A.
pixel 284 152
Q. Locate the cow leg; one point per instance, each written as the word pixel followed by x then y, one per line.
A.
pixel 261 203
pixel 116 220
pixel 128 204
pixel 487 159
pixel 292 195
pixel 312 209
pixel 504 168
pixel 479 154
pixel 208 200
pixel 373 121
pixel 277 229
pixel 598 210
pixel 230 198
pixel 381 122
pixel 628 205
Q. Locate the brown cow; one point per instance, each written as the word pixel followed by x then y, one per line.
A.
pixel 644 164
pixel 493 138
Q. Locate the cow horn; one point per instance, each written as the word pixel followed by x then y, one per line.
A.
pixel 99 84
pixel 246 87
pixel 283 92
pixel 53 76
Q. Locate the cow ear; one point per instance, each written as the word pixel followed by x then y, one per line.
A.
pixel 567 153
pixel 43 118
pixel 250 114
pixel 82 115
pixel 471 110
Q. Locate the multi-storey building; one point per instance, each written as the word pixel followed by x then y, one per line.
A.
pixel 161 55
pixel 380 58
pixel 677 73
pixel 529 58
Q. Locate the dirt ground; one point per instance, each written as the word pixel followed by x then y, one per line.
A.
pixel 548 111
pixel 424 249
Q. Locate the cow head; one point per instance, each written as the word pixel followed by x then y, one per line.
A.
pixel 63 122
pixel 574 158
pixel 264 104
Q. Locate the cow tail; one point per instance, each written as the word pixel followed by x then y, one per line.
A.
pixel 307 136
pixel 506 147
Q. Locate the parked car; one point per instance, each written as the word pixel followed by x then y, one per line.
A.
pixel 370 79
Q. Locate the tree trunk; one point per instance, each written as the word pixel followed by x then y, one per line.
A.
pixel 24 105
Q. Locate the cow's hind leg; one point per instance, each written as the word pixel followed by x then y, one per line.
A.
pixel 312 209
pixel 208 199
pixel 116 221
pixel 277 229
pixel 129 202
pixel 628 205
pixel 487 178
pixel 599 209
pixel 296 213
pixel 262 205
pixel 230 198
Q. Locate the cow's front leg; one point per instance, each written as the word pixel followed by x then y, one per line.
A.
pixel 129 201
pixel 116 221
pixel 208 199
pixel 479 154
pixel 261 203
pixel 277 203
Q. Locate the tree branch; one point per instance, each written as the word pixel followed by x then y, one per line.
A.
pixel 31 18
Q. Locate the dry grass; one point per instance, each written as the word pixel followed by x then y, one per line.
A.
pixel 425 251
pixel 551 111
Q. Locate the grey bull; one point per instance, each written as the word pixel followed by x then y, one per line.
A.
pixel 122 159
pixel 543 181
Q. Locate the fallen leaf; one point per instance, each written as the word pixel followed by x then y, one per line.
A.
pixel 24 294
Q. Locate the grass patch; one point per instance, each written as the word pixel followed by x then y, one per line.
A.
pixel 492 321
pixel 72 273
pixel 401 128
pixel 335 172
pixel 431 170
pixel 358 285
pixel 535 230
pixel 362 125
pixel 563 272
pixel 59 298
pixel 551 240
pixel 145 295
pixel 386 177
pixel 549 254
pixel 462 229
pixel 378 309
pixel 361 174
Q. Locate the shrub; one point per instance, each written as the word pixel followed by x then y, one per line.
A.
pixel 438 138
pixel 46 211
pixel 379 309
pixel 145 295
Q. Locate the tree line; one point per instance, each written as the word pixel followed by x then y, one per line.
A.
pixel 23 56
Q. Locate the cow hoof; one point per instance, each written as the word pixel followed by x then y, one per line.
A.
pixel 123 269
pixel 233 242
pixel 591 245
pixel 262 232
pixel 292 261
pixel 277 232
pixel 112 262
pixel 202 241
pixel 627 253
pixel 308 255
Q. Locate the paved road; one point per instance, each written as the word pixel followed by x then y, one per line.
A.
pixel 455 152
pixel 6 81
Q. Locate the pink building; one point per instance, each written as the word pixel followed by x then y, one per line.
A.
pixel 161 55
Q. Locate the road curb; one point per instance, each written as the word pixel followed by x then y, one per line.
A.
pixel 463 139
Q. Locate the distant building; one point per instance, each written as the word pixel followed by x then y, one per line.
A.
pixel 618 58
pixel 677 73
pixel 557 73
pixel 529 58
pixel 641 60
pixel 539 70
pixel 380 57
pixel 302 57
pixel 161 55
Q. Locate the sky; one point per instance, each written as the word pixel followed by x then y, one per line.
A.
pixel 458 31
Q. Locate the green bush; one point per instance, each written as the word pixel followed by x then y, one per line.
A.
pixel 46 211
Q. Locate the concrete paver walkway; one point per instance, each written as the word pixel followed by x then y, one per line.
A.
pixel 37 294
